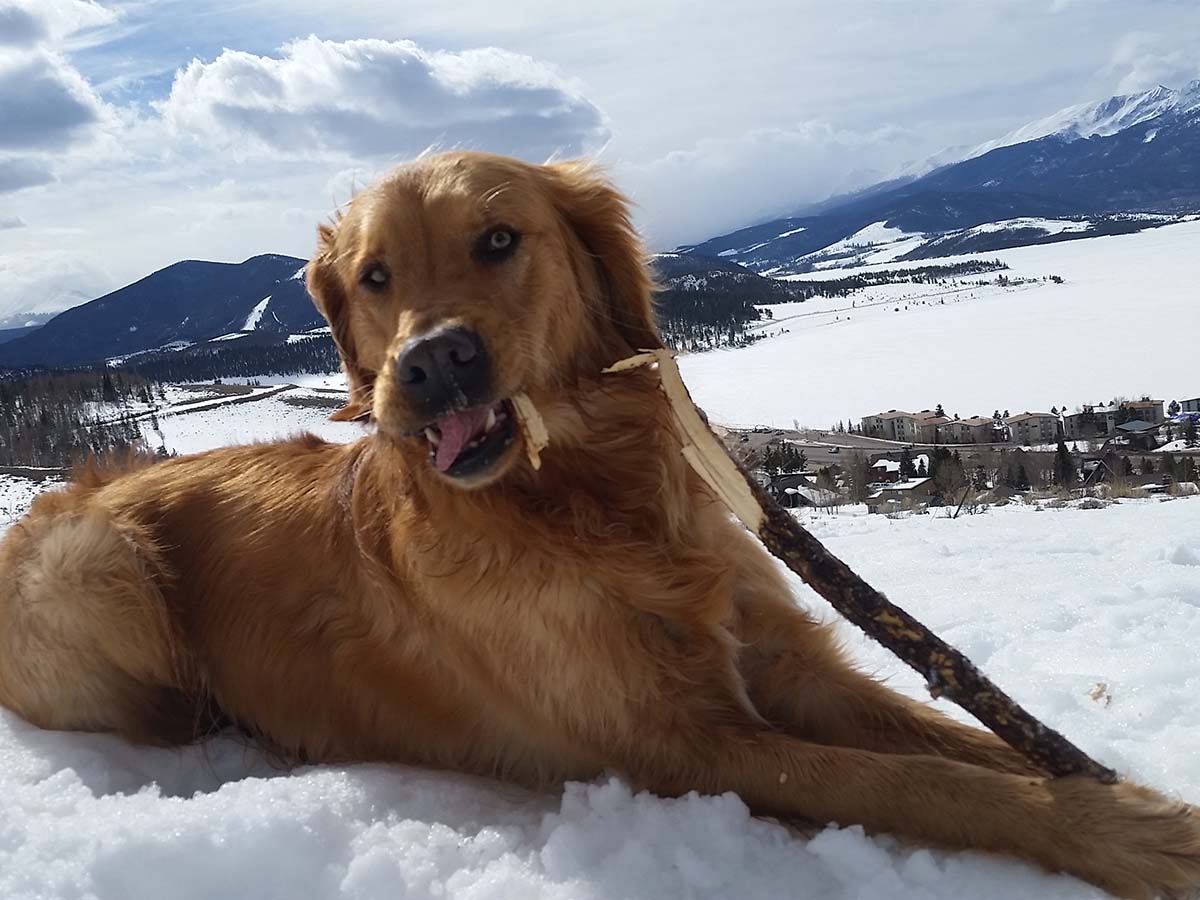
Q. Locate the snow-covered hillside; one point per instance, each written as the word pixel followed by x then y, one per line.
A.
pixel 1102 118
pixel 1119 326
pixel 1087 616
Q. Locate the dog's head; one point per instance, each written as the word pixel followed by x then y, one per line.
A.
pixel 462 279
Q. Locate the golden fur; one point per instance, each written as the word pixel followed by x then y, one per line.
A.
pixel 348 602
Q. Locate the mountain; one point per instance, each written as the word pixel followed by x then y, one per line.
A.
pixel 1101 119
pixel 186 302
pixel 1088 166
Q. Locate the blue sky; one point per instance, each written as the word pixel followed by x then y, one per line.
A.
pixel 136 133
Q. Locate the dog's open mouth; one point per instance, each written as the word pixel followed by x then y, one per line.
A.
pixel 469 441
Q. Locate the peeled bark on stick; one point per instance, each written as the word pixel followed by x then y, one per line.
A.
pixel 946 671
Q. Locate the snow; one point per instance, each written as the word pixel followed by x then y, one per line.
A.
pixel 256 314
pixel 1061 601
pixel 272 417
pixel 971 348
pixel 232 336
pixel 791 232
pixel 1049 226
pixel 1095 119
pixel 876 243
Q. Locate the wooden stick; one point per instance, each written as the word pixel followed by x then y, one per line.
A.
pixel 947 672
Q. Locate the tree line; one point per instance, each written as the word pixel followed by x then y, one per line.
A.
pixel 53 419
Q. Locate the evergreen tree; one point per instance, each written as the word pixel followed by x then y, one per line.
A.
pixel 939 411
pixel 1126 466
pixel 1189 434
pixel 1187 469
pixel 1065 473
pixel 906 465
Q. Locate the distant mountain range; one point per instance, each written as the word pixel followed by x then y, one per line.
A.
pixel 1123 164
pixel 185 303
pixel 221 308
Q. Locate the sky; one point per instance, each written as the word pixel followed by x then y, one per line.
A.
pixel 135 133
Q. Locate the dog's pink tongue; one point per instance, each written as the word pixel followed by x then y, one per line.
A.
pixel 458 429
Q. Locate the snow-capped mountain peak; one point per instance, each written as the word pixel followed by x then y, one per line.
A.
pixel 1086 120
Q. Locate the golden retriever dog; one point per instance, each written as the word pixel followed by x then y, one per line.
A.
pixel 426 596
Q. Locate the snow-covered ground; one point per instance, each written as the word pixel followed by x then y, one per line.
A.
pixel 1051 603
pixel 272 418
pixel 1088 617
pixel 972 348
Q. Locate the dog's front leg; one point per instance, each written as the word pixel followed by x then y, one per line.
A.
pixel 1123 837
pixel 799 679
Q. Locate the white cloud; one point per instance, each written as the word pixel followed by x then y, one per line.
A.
pixel 725 183
pixel 372 99
pixel 1142 60
pixel 45 103
pixel 7 223
pixel 20 172
pixel 48 281
pixel 32 22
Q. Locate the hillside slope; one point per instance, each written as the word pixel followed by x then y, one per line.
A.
pixel 188 301
pixel 1118 326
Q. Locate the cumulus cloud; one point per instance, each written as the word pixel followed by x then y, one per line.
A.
pixel 726 183
pixel 1142 60
pixel 382 99
pixel 44 102
pixel 20 172
pixel 20 27
pixel 25 23
pixel 9 223
pixel 49 281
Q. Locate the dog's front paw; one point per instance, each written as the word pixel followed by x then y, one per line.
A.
pixel 1128 839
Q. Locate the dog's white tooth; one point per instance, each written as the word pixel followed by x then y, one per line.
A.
pixel 432 435
pixel 491 420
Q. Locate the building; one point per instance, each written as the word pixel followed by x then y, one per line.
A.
pixel 901 495
pixel 1190 406
pixel 1088 423
pixel 883 425
pixel 1102 421
pixel 928 427
pixel 887 471
pixel 1138 434
pixel 1030 428
pixel 911 428
pixel 1145 409
pixel 975 430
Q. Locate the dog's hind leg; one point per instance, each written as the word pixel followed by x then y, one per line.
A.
pixel 86 642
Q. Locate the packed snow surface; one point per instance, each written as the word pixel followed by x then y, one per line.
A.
pixel 1056 605
pixel 972 348
pixel 256 314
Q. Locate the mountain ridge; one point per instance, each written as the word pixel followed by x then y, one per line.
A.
pixel 1137 153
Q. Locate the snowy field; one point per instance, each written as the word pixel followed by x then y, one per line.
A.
pixel 273 418
pixel 1111 330
pixel 1051 603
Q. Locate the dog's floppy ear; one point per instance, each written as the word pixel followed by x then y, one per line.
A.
pixel 599 216
pixel 325 287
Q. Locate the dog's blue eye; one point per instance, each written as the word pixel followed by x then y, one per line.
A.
pixel 496 244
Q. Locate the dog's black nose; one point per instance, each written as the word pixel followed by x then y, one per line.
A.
pixel 444 369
